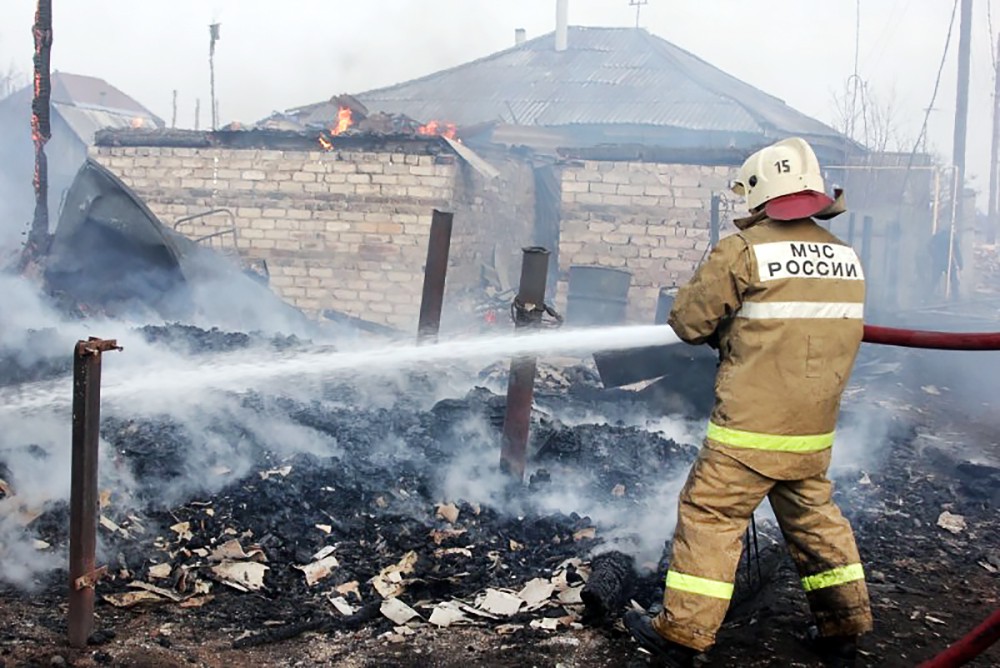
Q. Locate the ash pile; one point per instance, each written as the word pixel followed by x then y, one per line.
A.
pixel 376 504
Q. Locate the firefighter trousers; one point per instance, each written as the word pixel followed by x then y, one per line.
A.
pixel 714 510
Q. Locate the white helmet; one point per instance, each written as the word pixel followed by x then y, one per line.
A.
pixel 788 167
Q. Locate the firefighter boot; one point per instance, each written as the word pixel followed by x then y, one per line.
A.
pixel 665 652
pixel 834 651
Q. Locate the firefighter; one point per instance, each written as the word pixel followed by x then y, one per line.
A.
pixel 782 301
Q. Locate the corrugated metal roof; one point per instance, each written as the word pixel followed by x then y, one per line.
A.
pixel 86 122
pixel 82 90
pixel 607 76
pixel 76 98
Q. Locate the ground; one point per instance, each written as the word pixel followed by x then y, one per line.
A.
pixel 929 586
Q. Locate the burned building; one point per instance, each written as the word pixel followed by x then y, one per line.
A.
pixel 339 221
pixel 81 105
pixel 611 147
pixel 632 139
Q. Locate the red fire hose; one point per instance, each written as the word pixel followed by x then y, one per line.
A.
pixel 977 641
pixel 983 636
pixel 912 338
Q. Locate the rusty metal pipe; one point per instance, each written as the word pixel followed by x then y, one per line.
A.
pixel 521 383
pixel 435 272
pixel 83 571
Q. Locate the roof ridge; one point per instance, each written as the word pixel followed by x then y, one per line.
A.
pixel 661 84
pixel 659 44
pixel 469 63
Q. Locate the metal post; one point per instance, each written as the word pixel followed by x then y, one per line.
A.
pixel 521 384
pixel 213 31
pixel 83 571
pixel 850 230
pixel 713 229
pixel 994 194
pixel 664 302
pixel 935 212
pixel 435 272
pixel 956 200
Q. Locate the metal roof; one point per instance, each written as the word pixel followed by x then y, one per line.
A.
pixel 607 76
pixel 77 99
pixel 85 91
pixel 86 122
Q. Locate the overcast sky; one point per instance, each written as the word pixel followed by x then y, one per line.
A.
pixel 279 54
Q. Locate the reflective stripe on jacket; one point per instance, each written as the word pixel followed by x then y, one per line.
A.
pixel 784 302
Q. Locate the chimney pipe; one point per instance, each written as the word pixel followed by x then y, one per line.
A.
pixel 562 24
pixel 520 36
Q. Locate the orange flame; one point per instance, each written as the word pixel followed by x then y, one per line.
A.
pixel 325 143
pixel 345 119
pixel 448 130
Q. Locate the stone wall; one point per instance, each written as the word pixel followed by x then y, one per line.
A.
pixel 649 219
pixel 343 230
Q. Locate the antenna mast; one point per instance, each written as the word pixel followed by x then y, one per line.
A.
pixel 638 4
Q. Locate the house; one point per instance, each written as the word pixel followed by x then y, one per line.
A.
pixel 618 86
pixel 81 105
pixel 634 142
pixel 616 152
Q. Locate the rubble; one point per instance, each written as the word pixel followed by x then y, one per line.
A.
pixel 953 523
pixel 366 537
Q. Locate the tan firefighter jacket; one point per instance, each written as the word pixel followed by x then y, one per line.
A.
pixel 783 302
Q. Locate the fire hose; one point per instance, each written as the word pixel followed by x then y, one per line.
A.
pixel 979 639
pixel 974 643
pixel 912 338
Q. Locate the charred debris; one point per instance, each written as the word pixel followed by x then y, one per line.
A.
pixel 370 534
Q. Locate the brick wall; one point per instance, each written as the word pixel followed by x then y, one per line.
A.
pixel 344 230
pixel 649 219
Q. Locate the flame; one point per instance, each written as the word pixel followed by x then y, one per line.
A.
pixel 138 122
pixel 448 130
pixel 345 119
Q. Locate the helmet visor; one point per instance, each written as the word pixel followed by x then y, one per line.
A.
pixel 804 204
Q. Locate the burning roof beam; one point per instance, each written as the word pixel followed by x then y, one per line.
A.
pixel 41 132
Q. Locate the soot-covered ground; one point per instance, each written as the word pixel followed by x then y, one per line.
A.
pixel 395 542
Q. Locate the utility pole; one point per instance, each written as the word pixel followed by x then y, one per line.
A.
pixel 173 117
pixel 958 143
pixel 197 113
pixel 994 201
pixel 962 100
pixel 213 31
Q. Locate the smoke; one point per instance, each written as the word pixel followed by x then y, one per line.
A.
pixel 637 523
pixel 226 432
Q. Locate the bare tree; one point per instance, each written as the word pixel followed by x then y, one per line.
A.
pixel 10 81
pixel 869 118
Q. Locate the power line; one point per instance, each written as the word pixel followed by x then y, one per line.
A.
pixel 989 27
pixel 882 42
pixel 937 81
pixel 930 107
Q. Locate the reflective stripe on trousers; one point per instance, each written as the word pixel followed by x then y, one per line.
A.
pixel 693 584
pixel 775 442
pixel 833 577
